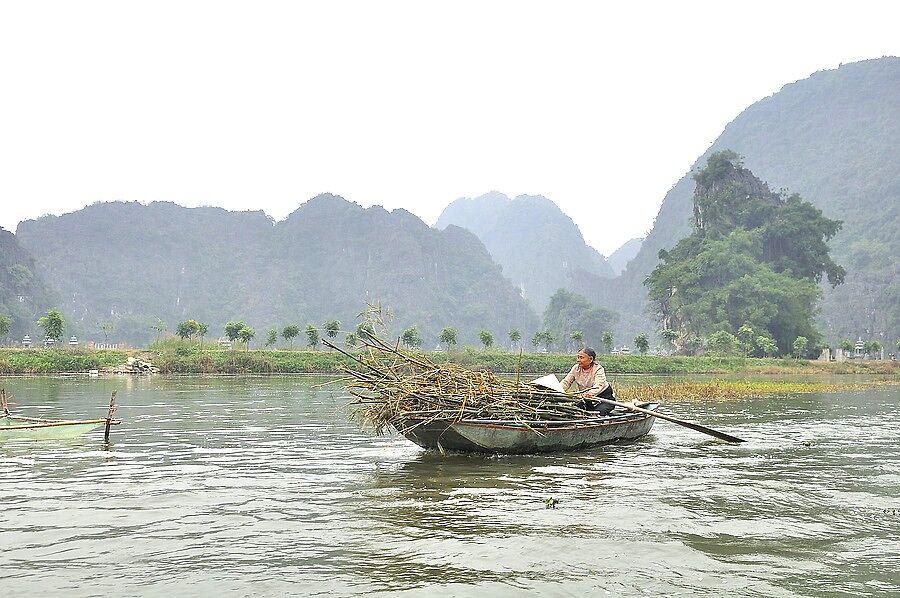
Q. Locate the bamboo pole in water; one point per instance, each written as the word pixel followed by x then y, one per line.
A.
pixel 109 414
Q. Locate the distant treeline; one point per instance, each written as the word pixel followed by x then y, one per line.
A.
pixel 177 357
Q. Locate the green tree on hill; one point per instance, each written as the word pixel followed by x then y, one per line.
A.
pixel 202 331
pixel 872 349
pixel 411 338
pixel 350 340
pixel 545 338
pixel 745 336
pixel 312 337
pixel 515 336
pixel 767 345
pixel 290 332
pixel 755 258
pixel 642 344
pixel 721 342
pixel 52 324
pixel 486 338
pixel 233 329
pixel 271 337
pixel 246 334
pixel 187 329
pixel 332 327
pixel 608 341
pixel 448 336
pixel 5 322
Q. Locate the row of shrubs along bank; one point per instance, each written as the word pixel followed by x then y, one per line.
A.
pixel 176 358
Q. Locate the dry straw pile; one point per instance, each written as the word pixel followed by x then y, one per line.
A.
pixel 395 388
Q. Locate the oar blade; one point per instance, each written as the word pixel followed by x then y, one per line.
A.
pixel 675 420
pixel 710 431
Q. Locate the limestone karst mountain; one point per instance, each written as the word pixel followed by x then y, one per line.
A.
pixel 539 247
pixel 832 138
pixel 127 264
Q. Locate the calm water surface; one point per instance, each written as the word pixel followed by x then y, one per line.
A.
pixel 261 486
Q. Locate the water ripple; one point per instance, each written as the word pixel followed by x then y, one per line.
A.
pixel 263 486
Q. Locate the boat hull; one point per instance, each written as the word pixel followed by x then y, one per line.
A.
pixel 512 437
pixel 15 428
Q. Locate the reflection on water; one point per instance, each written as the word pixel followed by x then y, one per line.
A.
pixel 262 486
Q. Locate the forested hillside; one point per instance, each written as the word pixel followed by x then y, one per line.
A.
pixel 833 139
pixel 23 293
pixel 747 274
pixel 538 246
pixel 127 264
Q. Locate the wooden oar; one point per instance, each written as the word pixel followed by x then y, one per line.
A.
pixel 680 422
pixel 548 382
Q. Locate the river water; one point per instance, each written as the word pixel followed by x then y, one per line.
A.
pixel 262 486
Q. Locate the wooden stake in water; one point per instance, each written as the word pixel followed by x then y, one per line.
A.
pixel 109 414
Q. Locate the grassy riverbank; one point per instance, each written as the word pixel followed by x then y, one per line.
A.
pixel 56 361
pixel 176 357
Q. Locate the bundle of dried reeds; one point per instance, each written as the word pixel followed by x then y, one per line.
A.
pixel 394 387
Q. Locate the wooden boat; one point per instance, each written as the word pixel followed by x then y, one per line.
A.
pixel 16 427
pixel 525 437
pixel 32 428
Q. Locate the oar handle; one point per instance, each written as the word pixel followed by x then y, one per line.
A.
pixel 680 422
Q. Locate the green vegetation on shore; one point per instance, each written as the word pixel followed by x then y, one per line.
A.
pixel 55 361
pixel 718 390
pixel 174 356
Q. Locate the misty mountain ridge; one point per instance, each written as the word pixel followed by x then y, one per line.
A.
pixel 539 247
pixel 832 138
pixel 129 263
pixel 619 258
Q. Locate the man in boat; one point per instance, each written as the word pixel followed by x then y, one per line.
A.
pixel 591 381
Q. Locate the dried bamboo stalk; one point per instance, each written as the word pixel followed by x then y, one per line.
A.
pixel 395 388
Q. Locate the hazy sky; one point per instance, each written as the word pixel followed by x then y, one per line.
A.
pixel 263 105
